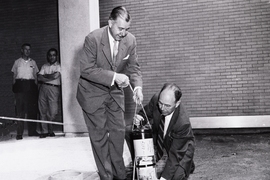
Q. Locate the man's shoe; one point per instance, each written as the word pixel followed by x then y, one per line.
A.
pixel 19 137
pixel 192 169
pixel 43 135
pixel 51 134
pixel 34 134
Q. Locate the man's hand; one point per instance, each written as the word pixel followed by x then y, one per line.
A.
pixel 137 119
pixel 138 96
pixel 122 80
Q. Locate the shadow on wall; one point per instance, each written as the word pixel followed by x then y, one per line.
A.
pixel 71 108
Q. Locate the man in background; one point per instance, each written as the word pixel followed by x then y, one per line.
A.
pixel 49 92
pixel 26 92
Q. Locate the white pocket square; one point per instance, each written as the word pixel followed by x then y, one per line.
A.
pixel 126 57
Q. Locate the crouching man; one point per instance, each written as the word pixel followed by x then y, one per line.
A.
pixel 172 133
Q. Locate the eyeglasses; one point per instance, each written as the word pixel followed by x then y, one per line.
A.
pixel 166 106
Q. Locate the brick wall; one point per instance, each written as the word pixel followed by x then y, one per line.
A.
pixel 217 51
pixel 21 21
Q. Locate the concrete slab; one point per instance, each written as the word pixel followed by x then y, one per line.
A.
pixel 217 157
pixel 39 159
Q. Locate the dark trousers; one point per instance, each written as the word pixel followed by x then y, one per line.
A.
pixel 26 105
pixel 160 165
pixel 106 129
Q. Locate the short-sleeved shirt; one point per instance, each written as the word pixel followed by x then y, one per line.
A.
pixel 49 69
pixel 23 69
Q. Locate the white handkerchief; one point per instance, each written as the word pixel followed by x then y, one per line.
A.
pixel 126 57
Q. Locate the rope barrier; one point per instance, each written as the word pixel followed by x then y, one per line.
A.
pixel 47 122
pixel 30 120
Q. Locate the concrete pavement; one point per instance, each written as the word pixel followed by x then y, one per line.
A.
pixel 217 157
pixel 41 159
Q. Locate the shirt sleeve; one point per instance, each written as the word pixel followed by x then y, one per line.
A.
pixel 59 68
pixel 36 68
pixel 41 72
pixel 13 69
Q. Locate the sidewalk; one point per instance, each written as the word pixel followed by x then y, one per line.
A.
pixel 39 159
pixel 217 157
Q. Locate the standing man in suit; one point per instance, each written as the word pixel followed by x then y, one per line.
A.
pixel 25 89
pixel 173 139
pixel 108 64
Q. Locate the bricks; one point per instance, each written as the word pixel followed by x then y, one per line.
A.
pixel 34 22
pixel 216 51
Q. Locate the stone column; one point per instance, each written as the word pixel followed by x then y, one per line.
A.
pixel 76 19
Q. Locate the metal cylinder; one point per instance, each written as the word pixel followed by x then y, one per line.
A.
pixel 144 153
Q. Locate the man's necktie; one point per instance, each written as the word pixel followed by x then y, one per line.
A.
pixel 160 138
pixel 115 51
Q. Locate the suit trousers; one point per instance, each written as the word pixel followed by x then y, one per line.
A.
pixel 160 165
pixel 106 127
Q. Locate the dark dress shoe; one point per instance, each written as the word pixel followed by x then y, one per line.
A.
pixel 43 135
pixel 51 134
pixel 34 134
pixel 192 169
pixel 19 137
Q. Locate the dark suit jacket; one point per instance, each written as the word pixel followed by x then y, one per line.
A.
pixel 179 141
pixel 97 70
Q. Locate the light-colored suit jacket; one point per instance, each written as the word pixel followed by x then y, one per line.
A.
pixel 179 140
pixel 97 70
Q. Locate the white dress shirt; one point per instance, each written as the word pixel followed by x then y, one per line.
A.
pixel 167 122
pixel 111 42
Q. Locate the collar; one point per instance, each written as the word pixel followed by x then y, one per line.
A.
pixel 29 59
pixel 54 64
pixel 168 117
pixel 111 39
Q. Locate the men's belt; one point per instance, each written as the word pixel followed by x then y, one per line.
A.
pixel 54 85
pixel 24 79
